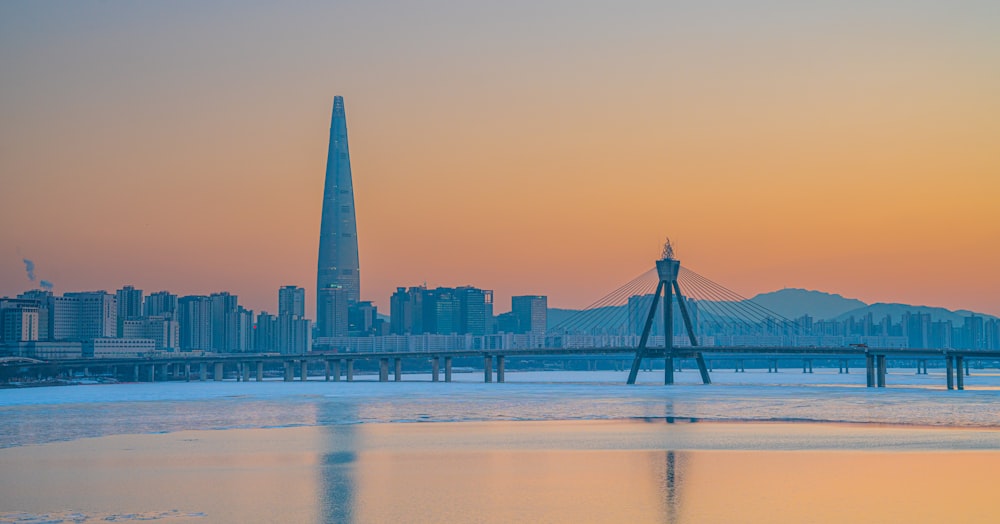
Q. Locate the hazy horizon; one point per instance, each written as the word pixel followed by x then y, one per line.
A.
pixel 529 148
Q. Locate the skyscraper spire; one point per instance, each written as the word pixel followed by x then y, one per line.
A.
pixel 338 276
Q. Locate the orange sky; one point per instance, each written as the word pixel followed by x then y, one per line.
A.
pixel 529 148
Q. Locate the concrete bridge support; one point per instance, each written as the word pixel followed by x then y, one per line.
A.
pixel 807 365
pixel 869 370
pixel 135 374
pixel 289 370
pixel 842 368
pixel 949 367
pixel 202 371
pixel 187 372
pixel 152 373
pixel 304 371
pixel 435 368
pixel 702 369
pixel 488 369
pixel 383 370
pixel 668 371
pixel 500 368
pixel 959 377
pixel 350 370
pixel 217 371
pixel 880 364
pixel 772 366
pixel 246 371
pixel 398 370
pixel 336 370
pixel 326 370
pixel 447 369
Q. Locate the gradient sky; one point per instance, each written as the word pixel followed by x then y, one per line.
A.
pixel 525 146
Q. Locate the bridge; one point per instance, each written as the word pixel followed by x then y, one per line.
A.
pixel 657 290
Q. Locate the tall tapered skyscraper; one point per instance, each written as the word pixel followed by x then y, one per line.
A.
pixel 338 272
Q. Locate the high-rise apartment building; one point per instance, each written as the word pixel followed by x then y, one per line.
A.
pixel 332 312
pixel 84 316
pixel 406 311
pixel 160 304
pixel 292 301
pixel 194 314
pixel 531 313
pixel 444 311
pixel 129 301
pixel 338 266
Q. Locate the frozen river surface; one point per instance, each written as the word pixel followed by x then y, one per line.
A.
pixel 41 415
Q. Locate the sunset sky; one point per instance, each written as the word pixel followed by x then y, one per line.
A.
pixel 537 147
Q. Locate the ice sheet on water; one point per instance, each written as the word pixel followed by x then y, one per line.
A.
pixel 80 517
pixel 65 413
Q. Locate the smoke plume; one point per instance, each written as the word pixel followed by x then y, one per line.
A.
pixel 29 266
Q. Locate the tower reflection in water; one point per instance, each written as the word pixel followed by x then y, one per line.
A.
pixel 491 472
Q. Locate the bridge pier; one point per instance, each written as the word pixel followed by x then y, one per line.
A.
pixel 152 373
pixel 966 368
pixel 668 371
pixel 959 377
pixel 807 365
pixel 500 368
pixel 202 371
pixel 187 372
pixel 772 364
pixel 383 370
pixel 842 367
pixel 880 363
pixel 447 369
pixel 702 368
pixel 949 366
pixel 135 373
pixel 326 370
pixel 289 370
pixel 260 371
pixel 217 371
pixel 435 368
pixel 869 370
pixel 488 369
pixel 921 367
pixel 350 370
pixel 398 371
pixel 336 370
pixel 246 371
pixel 304 371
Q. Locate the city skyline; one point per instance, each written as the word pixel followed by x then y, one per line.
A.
pixel 777 154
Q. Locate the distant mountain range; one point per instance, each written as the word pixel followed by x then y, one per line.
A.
pixel 793 303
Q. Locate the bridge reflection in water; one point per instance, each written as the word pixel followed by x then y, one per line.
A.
pixel 541 472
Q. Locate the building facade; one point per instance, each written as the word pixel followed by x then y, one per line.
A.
pixel 338 266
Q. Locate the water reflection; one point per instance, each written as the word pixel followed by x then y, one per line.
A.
pixel 336 469
pixel 394 473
